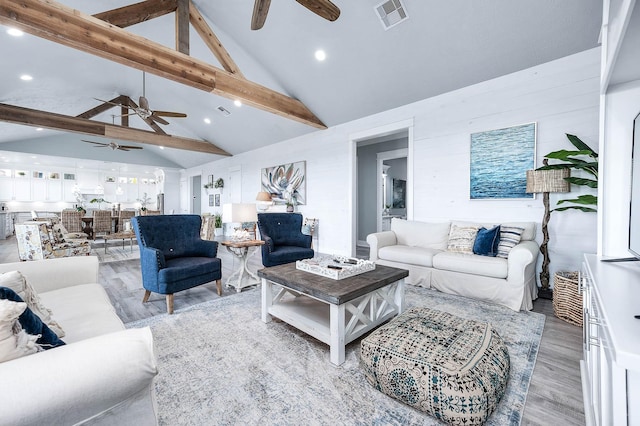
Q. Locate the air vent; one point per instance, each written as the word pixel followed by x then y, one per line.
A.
pixel 223 111
pixel 391 13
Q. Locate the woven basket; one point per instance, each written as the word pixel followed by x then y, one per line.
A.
pixel 567 302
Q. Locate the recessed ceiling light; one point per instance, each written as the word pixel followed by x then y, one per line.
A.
pixel 15 32
pixel 237 103
pixel 320 55
pixel 207 120
pixel 161 147
pixel 26 77
pixel 39 129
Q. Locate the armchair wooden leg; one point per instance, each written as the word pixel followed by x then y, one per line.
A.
pixel 219 285
pixel 145 299
pixel 169 304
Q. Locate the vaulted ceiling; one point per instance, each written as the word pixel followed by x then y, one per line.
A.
pixel 443 46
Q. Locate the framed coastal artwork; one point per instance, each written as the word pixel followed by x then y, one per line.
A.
pixel 286 182
pixel 499 162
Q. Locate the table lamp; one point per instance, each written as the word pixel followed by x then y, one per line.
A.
pixel 263 201
pixel 544 182
pixel 240 213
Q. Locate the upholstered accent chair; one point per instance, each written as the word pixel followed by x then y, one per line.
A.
pixel 283 237
pixel 123 217
pixel 37 241
pixel 173 257
pixel 101 222
pixel 71 219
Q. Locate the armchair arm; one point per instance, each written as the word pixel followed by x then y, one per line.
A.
pixel 206 248
pixel 522 261
pixel 110 376
pixel 151 259
pixel 268 243
pixel 378 240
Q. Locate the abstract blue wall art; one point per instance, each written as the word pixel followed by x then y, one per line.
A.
pixel 500 160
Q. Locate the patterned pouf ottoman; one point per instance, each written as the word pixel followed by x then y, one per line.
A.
pixel 452 368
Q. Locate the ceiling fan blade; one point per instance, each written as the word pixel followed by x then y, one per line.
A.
pixel 160 120
pixel 102 145
pixel 128 147
pixel 169 114
pixel 322 8
pixel 260 10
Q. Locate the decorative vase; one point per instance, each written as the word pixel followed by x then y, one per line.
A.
pixel 290 208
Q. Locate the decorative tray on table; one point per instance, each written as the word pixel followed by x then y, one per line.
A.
pixel 335 267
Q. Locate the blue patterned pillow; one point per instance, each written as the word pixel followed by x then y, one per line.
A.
pixel 509 237
pixel 487 241
pixel 31 323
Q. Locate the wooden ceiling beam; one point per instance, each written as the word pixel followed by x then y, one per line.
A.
pixel 136 13
pixel 49 120
pixel 103 107
pixel 182 26
pixel 61 24
pixel 211 40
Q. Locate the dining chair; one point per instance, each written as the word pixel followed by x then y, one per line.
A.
pixel 72 220
pixel 101 222
pixel 124 216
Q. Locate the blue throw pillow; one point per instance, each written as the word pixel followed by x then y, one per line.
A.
pixel 487 241
pixel 31 323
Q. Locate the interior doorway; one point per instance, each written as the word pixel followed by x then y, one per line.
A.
pixel 368 182
pixel 196 194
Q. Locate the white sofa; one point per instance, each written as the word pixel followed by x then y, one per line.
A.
pixel 103 375
pixel 421 248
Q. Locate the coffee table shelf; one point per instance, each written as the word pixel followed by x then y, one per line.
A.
pixel 334 312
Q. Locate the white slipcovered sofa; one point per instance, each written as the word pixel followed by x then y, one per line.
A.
pixel 421 248
pixel 104 375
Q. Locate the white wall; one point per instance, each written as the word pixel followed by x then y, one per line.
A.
pixel 561 96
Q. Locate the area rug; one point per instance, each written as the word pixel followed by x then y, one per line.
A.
pixel 115 252
pixel 220 364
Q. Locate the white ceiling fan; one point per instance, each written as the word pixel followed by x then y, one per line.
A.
pixel 113 145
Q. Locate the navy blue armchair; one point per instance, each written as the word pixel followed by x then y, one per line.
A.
pixel 284 240
pixel 173 257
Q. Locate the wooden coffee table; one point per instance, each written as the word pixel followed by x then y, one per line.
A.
pixel 335 312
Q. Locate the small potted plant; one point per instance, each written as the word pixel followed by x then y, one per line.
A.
pixel 217 224
pixel 219 184
pixel 143 203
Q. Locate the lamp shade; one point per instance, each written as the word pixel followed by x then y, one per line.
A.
pixel 539 181
pixel 239 213
pixel 263 196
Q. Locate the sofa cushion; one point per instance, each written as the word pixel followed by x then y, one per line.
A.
pixel 83 311
pixel 461 239
pixel 494 267
pixel 487 240
pixel 510 236
pixel 411 255
pixel 432 235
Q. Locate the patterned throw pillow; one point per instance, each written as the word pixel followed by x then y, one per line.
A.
pixel 461 239
pixel 509 237
pixel 18 283
pixel 14 341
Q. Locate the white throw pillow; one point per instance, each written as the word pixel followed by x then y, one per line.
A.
pixel 18 283
pixel 509 237
pixel 14 341
pixel 461 239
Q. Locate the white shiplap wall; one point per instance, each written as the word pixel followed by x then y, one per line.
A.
pixel 561 96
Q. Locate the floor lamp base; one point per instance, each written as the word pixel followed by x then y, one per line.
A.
pixel 545 293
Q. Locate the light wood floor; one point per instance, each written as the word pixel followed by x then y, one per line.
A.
pixel 555 393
